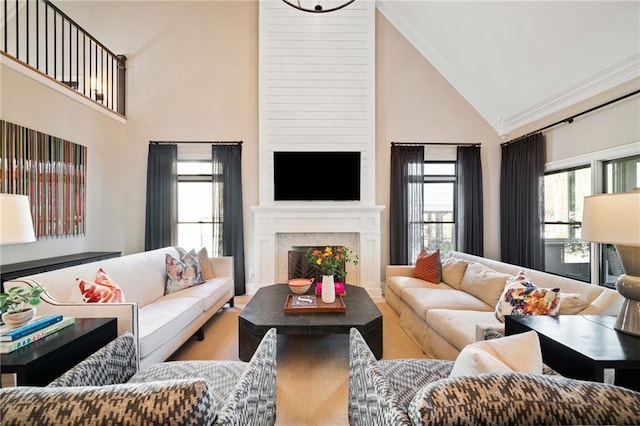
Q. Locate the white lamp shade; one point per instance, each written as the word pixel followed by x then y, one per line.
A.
pixel 16 225
pixel 612 218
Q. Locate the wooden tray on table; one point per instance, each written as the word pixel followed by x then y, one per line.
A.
pixel 293 305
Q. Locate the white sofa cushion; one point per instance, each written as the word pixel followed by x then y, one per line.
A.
pixel 162 320
pixel 211 291
pixel 572 303
pixel 484 283
pixel 459 327
pixel 423 299
pixel 398 283
pixel 453 270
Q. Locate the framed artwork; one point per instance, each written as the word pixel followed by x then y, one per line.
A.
pixel 52 172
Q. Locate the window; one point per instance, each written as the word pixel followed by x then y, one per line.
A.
pixel 620 175
pixel 440 206
pixel 195 204
pixel 565 253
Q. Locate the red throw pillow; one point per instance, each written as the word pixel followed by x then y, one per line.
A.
pixel 101 290
pixel 427 266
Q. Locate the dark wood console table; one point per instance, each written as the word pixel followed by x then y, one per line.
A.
pixel 22 269
pixel 42 361
pixel 583 346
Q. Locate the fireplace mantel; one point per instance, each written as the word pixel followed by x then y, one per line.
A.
pixel 363 220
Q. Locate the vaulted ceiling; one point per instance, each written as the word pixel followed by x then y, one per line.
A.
pixel 514 61
pixel 519 61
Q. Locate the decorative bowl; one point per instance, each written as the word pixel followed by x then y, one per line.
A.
pixel 300 285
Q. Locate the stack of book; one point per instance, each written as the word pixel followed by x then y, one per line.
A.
pixel 12 338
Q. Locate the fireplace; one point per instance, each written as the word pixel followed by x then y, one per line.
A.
pixel 280 228
pixel 298 266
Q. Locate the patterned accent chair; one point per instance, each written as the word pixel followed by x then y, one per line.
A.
pixel 106 388
pixel 419 391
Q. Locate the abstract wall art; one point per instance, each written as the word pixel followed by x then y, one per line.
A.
pixel 52 172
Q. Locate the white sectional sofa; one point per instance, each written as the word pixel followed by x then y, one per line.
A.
pixel 442 318
pixel 161 323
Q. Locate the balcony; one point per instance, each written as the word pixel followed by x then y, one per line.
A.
pixel 40 36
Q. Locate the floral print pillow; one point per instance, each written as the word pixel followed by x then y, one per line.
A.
pixel 522 297
pixel 181 273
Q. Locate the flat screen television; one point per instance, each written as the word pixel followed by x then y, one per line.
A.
pixel 316 176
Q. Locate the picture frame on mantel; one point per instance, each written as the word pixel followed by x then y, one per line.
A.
pixel 52 172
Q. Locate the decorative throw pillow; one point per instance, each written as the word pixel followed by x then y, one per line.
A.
pixel 453 270
pixel 519 352
pixel 191 258
pixel 205 264
pixel 180 275
pixel 101 289
pixel 522 297
pixel 427 266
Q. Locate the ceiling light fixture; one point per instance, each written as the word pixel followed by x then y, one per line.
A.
pixel 308 5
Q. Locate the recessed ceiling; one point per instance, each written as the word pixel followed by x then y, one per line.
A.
pixel 517 61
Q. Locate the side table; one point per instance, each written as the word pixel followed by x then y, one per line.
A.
pixel 46 359
pixel 583 346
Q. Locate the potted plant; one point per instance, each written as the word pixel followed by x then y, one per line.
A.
pixel 17 304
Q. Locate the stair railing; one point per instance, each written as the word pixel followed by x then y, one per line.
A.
pixel 39 35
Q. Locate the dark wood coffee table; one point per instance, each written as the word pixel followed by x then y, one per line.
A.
pixel 583 346
pixel 266 310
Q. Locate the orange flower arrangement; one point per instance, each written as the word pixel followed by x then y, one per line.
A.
pixel 332 260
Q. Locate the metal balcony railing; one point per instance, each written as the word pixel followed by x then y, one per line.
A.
pixel 41 36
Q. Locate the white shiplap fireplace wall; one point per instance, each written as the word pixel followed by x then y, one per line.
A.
pixel 317 93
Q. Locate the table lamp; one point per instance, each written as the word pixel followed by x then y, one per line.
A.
pixel 16 225
pixel 615 219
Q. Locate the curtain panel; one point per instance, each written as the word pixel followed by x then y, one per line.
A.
pixel 162 190
pixel 470 220
pixel 228 215
pixel 522 202
pixel 406 206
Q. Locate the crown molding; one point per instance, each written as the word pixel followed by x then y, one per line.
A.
pixel 622 72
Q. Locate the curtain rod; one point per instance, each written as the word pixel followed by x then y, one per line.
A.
pixel 194 142
pixel 569 120
pixel 434 143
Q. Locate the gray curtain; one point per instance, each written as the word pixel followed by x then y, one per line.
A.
pixel 522 202
pixel 470 238
pixel 162 189
pixel 228 215
pixel 406 206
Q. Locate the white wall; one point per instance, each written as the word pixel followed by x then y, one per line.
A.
pixel 30 103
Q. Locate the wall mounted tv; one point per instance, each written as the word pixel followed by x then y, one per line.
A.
pixel 316 176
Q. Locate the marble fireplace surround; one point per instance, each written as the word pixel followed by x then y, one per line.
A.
pixel 285 241
pixel 279 228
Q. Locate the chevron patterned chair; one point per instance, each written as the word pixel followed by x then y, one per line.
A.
pixel 107 388
pixel 420 392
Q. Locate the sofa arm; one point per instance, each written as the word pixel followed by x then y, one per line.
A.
pixel 372 400
pixel 253 400
pixel 126 313
pixel 399 270
pixel 222 266
pixel 115 363
pixel 518 398
pixel 177 402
